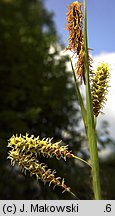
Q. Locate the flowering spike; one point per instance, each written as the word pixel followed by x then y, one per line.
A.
pixel 46 147
pixel 36 146
pixel 99 87
pixel 28 163
pixel 74 27
pixel 76 37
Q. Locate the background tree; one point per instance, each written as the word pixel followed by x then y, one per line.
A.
pixel 36 90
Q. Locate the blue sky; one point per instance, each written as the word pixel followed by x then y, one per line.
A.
pixel 101 22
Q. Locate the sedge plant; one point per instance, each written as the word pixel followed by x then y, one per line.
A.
pixel 26 150
pixel 96 83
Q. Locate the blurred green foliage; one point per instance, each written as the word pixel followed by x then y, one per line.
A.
pixel 37 94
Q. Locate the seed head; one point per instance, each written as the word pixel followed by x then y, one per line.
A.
pixel 74 27
pixel 38 146
pixel 27 162
pixel 99 88
pixel 76 37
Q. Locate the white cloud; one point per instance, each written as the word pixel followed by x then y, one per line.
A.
pixel 109 108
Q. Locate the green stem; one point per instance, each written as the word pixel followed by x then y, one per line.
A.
pixel 91 130
pixel 80 159
pixel 83 110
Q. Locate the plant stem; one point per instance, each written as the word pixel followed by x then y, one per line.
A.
pixel 83 110
pixel 91 130
pixel 80 159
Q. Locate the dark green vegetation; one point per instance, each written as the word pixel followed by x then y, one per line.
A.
pixel 36 96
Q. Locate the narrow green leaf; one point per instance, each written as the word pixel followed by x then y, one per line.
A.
pixel 80 99
pixel 91 130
